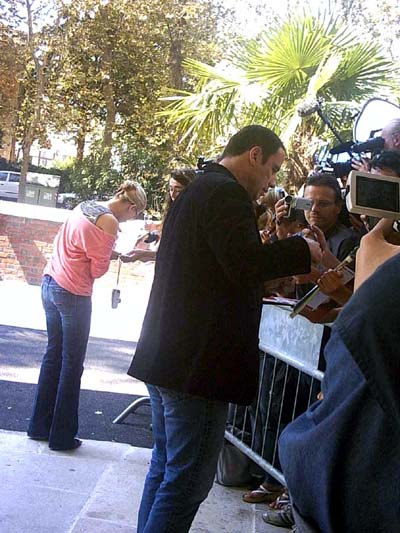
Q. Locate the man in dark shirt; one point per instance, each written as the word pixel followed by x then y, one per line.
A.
pixel 198 348
pixel 325 193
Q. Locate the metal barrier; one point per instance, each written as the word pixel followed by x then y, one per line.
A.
pixel 289 382
pixel 142 400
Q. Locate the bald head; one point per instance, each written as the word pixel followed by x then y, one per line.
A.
pixel 391 134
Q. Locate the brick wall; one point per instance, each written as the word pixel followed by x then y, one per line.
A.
pixel 25 246
pixel 26 242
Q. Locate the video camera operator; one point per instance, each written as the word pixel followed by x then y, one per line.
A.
pixel 391 136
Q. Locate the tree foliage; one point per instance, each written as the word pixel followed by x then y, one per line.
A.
pixel 266 78
pixel 95 71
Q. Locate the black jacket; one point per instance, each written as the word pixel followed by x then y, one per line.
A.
pixel 200 332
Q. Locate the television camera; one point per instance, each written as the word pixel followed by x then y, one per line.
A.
pixel 373 116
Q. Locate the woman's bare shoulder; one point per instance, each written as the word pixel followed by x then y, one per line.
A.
pixel 108 223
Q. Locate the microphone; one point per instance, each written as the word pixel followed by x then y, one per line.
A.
pixel 308 107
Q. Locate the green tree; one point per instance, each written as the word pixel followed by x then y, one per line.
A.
pixel 41 54
pixel 119 58
pixel 11 68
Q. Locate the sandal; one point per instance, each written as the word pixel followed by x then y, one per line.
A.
pixel 262 494
pixel 280 502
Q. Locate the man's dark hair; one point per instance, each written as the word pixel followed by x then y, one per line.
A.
pixel 388 159
pixel 321 179
pixel 251 136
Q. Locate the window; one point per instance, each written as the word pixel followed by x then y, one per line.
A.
pixel 14 177
pixel 3 176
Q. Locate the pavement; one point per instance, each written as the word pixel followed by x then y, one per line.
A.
pixel 97 487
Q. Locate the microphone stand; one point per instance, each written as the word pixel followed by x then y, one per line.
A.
pixel 328 123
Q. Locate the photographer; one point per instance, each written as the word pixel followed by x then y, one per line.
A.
pixel 335 239
pixel 391 136
pixel 324 192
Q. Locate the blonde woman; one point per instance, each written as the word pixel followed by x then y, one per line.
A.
pixel 82 252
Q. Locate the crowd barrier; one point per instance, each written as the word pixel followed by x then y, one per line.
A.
pixel 290 378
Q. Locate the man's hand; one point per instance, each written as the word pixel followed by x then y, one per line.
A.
pixel 331 284
pixel 139 255
pixel 281 210
pixel 361 166
pixel 265 236
pixel 330 281
pixel 374 250
pixel 328 259
pixel 315 250
pixel 315 233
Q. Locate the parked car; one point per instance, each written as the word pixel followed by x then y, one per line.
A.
pixel 67 200
pixel 41 189
pixel 9 185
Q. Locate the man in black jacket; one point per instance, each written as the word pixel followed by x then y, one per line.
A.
pixel 198 348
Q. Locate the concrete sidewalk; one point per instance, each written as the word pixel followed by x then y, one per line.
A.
pixel 96 488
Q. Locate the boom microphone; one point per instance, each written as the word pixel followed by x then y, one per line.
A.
pixel 308 107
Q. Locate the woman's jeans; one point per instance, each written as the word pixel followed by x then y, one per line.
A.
pixel 55 413
pixel 188 434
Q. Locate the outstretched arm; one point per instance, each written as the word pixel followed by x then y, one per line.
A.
pixel 375 249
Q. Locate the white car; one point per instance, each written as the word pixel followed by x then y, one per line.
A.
pixel 9 184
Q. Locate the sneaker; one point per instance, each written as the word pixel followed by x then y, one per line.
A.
pixel 282 518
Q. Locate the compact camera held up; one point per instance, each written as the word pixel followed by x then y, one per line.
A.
pixel 297 202
pixel 374 195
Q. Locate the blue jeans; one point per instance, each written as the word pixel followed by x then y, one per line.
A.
pixel 188 435
pixel 55 413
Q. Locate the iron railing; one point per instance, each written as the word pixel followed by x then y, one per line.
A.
pixel 289 382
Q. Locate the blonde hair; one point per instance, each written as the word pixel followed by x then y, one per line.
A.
pixel 134 193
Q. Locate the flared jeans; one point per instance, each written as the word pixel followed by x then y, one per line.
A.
pixel 55 412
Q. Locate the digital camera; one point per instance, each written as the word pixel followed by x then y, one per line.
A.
pixel 373 194
pixel 297 202
pixel 152 237
pixel 115 298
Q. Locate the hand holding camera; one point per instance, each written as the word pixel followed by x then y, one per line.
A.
pixel 284 206
pixel 375 249
pixel 297 202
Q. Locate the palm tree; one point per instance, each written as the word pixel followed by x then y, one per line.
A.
pixel 265 79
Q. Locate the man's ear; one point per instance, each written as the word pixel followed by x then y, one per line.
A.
pixel 255 155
